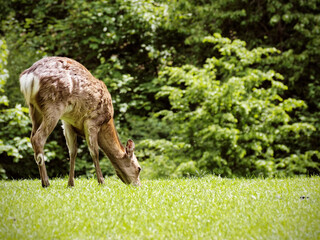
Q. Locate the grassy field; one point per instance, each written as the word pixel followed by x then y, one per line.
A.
pixel 205 208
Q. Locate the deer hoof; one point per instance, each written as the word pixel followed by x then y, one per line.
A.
pixel 101 180
pixel 71 183
pixel 45 183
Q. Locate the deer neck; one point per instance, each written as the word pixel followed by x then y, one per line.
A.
pixel 110 143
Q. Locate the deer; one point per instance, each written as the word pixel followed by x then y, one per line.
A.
pixel 57 88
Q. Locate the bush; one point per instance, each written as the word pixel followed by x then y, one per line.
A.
pixel 14 124
pixel 229 118
pixel 127 44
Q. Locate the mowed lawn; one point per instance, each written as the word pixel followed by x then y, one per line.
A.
pixel 203 208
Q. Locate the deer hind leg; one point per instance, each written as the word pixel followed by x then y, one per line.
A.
pixel 36 118
pixel 71 139
pixel 41 129
pixel 91 133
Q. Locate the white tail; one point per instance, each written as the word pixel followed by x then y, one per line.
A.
pixel 61 88
pixel 29 85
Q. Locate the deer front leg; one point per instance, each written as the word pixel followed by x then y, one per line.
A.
pixel 91 134
pixel 71 139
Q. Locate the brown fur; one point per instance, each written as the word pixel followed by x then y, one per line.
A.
pixel 68 91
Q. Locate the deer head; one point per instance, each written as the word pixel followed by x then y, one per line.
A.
pixel 128 169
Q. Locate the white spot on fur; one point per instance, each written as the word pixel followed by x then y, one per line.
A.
pixel 40 159
pixel 29 85
pixel 70 83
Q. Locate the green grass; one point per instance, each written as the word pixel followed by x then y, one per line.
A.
pixel 205 208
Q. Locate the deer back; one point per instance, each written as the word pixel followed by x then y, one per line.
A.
pixel 58 84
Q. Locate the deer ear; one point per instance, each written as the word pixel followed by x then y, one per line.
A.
pixel 130 148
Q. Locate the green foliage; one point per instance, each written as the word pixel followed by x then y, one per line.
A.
pixel 135 47
pixel 14 125
pixel 14 122
pixel 3 71
pixel 204 208
pixel 116 40
pixel 229 118
pixel 291 26
pixel 3 98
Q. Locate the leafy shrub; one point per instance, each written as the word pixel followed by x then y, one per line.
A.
pixel 127 43
pixel 14 123
pixel 229 118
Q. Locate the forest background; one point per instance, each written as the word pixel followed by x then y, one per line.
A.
pixel 229 87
